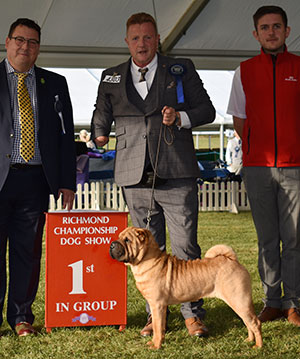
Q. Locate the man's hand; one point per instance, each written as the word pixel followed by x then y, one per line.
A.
pixel 68 197
pixel 169 115
pixel 101 141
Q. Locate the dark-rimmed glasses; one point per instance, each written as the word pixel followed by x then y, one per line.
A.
pixel 20 40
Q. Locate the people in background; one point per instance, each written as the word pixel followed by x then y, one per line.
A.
pixel 37 158
pixel 85 136
pixel 234 153
pixel 155 101
pixel 264 104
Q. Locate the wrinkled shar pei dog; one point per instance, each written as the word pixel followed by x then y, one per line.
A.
pixel 164 280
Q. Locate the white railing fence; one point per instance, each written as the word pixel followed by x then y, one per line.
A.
pixel 220 196
pixel 223 196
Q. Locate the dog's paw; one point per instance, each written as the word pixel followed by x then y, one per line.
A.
pixel 251 340
pixel 152 346
pixel 257 346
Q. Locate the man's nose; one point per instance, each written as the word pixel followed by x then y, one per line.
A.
pixel 141 42
pixel 272 30
pixel 25 44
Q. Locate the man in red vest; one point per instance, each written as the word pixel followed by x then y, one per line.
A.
pixel 264 103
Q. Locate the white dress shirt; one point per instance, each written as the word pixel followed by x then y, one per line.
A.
pixel 144 86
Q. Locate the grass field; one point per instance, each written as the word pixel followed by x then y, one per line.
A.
pixel 227 332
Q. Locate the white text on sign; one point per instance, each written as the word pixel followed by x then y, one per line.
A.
pixel 87 306
pixel 87 241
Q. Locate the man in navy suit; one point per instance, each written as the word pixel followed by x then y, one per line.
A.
pixel 25 183
pixel 155 101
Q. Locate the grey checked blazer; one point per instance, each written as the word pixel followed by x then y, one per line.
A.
pixel 135 130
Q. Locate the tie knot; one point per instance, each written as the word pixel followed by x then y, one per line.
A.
pixel 21 75
pixel 143 73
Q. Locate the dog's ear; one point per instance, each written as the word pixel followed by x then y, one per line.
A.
pixel 142 234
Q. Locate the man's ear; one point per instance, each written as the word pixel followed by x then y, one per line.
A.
pixel 287 32
pixel 7 41
pixel 255 34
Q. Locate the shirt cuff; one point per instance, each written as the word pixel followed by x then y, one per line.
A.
pixel 185 121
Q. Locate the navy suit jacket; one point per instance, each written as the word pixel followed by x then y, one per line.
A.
pixel 57 149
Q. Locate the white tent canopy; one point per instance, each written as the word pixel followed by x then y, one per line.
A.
pixel 83 85
pixel 89 34
pixel 215 34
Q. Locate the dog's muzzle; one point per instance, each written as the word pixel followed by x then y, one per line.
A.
pixel 116 250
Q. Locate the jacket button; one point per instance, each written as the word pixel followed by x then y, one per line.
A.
pixel 144 136
pixel 8 156
pixel 11 135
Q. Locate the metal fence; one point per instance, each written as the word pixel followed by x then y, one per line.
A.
pixel 220 196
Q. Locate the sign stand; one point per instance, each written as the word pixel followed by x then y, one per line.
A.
pixel 84 285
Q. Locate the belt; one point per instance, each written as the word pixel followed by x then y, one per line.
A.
pixel 23 166
pixel 148 178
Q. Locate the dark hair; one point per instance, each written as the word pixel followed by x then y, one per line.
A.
pixel 25 22
pixel 140 18
pixel 269 9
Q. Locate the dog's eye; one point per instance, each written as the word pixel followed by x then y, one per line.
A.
pixel 126 240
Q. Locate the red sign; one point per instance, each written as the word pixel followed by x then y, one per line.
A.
pixel 84 285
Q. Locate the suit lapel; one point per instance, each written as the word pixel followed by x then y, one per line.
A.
pixel 162 70
pixel 125 72
pixel 41 94
pixel 4 94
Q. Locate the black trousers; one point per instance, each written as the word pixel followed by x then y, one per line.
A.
pixel 24 200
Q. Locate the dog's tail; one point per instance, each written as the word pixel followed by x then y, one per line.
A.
pixel 221 250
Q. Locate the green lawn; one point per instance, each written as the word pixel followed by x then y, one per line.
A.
pixel 227 332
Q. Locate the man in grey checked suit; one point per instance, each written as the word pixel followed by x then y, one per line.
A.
pixel 155 101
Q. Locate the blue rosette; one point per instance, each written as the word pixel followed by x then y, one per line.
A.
pixel 178 70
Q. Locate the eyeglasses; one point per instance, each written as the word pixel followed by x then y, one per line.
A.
pixel 20 40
